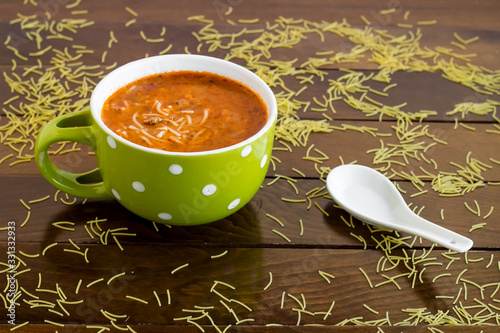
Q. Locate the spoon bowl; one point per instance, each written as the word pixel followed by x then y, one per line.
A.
pixel 372 198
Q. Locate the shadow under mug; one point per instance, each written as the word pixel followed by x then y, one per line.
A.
pixel 177 188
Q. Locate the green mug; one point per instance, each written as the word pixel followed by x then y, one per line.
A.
pixel 177 188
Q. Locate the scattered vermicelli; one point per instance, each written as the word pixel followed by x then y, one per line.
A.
pixel 37 88
pixel 366 277
pixel 179 268
pixel 219 255
pixel 136 299
pixel 326 276
pixel 282 235
pixel 157 297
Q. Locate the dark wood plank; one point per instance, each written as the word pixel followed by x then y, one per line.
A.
pixel 344 145
pixel 252 226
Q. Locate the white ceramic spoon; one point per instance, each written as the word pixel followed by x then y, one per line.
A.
pixel 371 197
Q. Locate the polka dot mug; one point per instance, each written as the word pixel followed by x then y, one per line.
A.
pixel 177 188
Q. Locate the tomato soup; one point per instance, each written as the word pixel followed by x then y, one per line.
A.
pixel 185 111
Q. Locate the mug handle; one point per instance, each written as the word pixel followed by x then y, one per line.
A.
pixel 74 127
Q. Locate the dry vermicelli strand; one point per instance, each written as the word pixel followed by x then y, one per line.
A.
pixel 45 91
pixel 297 131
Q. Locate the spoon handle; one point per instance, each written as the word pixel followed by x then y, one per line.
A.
pixel 421 227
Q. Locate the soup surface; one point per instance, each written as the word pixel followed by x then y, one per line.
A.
pixel 185 111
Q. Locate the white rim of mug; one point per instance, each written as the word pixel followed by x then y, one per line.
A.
pixel 149 63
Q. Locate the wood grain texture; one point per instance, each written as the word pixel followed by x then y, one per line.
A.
pixel 290 260
pixel 251 226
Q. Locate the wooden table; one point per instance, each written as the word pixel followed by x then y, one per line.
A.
pixel 290 260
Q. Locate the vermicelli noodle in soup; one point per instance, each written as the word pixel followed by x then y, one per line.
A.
pixel 185 111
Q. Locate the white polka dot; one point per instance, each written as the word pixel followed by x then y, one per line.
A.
pixel 263 161
pixel 209 189
pixel 117 196
pixel 175 169
pixel 246 151
pixel 111 142
pixel 139 187
pixel 233 204
pixel 165 216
